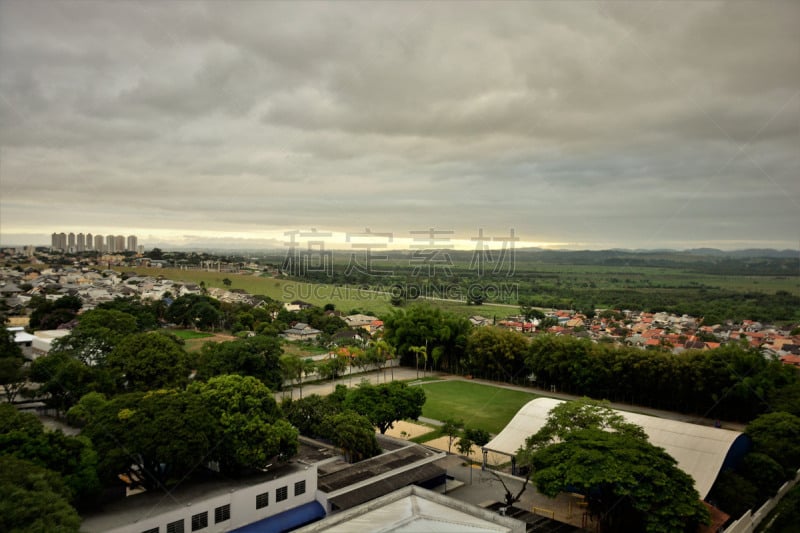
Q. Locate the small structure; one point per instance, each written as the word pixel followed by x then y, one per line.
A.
pixel 301 332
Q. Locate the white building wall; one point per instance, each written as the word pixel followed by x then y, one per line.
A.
pixel 243 506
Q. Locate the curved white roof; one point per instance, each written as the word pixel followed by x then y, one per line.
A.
pixel 699 450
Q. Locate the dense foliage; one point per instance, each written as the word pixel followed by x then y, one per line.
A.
pixel 774 459
pixel 257 356
pixel 731 382
pixel 23 436
pixel 385 404
pixel 444 335
pixel 348 418
pixel 252 432
pixel 629 484
pixel 34 499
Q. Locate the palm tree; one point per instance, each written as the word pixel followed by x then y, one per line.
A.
pixel 417 351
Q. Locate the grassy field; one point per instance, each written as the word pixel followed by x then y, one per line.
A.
pixel 345 298
pixel 479 406
pixel 302 350
pixel 683 290
pixel 193 343
pixel 187 334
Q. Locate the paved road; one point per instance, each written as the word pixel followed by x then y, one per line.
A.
pixel 326 387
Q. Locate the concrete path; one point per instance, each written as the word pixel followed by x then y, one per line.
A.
pixel 323 388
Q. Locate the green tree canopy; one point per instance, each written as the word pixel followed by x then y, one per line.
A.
pixel 146 313
pixel 49 314
pixel 253 432
pixel 308 414
pixel 629 484
pixel 257 356
pixel 354 434
pixel 34 499
pixel 147 361
pixel 386 403
pixel 452 428
pixel 23 436
pixel 155 437
pixel 571 416
pixel 97 333
pixel 776 435
pixel 63 380
pixel 421 325
pixel 496 352
pixel 194 310
pixel 13 372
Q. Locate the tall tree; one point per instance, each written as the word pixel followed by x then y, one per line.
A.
pixel 73 458
pixel 155 438
pixel 63 380
pixel 257 356
pixel 629 484
pixel 424 324
pixel 13 372
pixel 385 404
pixel 253 432
pixel 34 499
pixel 97 333
pixel 354 434
pixel 452 428
pixel 776 435
pixel 147 361
pixel 496 353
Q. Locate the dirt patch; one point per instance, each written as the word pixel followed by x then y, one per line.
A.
pixel 193 345
pixel 411 430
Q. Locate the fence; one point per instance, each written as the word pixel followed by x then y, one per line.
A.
pixel 749 521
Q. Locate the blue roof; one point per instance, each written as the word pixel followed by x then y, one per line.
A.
pixel 287 520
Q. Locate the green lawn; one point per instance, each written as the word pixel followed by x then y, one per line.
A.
pixel 479 406
pixel 186 334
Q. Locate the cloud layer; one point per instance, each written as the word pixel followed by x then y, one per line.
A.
pixel 640 124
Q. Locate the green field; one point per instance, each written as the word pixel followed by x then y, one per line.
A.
pixel 479 406
pixel 345 298
pixel 302 349
pixel 187 334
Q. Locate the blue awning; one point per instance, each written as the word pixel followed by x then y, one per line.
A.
pixel 287 520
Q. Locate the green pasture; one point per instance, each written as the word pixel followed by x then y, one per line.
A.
pixel 479 406
pixel 187 334
pixel 345 298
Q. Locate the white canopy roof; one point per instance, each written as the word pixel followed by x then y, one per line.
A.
pixel 699 450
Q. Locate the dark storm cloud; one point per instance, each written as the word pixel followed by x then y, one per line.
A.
pixel 621 124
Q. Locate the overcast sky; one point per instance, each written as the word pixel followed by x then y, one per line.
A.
pixel 577 124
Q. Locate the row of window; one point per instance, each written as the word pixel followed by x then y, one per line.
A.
pixel 223 513
pixel 281 494
pixel 199 521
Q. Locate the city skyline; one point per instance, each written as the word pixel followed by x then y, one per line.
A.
pixel 87 242
pixel 579 125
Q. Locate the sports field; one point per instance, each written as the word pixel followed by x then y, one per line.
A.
pixel 477 405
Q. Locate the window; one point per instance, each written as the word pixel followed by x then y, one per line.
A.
pixel 175 527
pixel 262 500
pixel 200 521
pixel 224 513
pixel 281 494
pixel 300 488
pixel 153 530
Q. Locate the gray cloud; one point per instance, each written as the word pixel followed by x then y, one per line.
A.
pixel 601 124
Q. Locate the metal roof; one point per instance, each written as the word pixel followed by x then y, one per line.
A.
pixel 699 450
